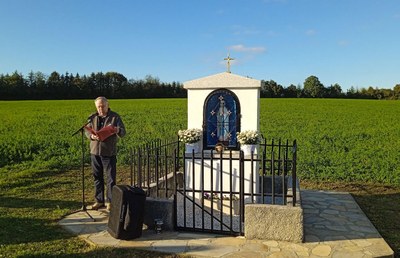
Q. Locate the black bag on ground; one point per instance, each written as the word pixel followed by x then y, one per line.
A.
pixel 127 212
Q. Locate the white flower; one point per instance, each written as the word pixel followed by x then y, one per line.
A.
pixel 189 135
pixel 248 137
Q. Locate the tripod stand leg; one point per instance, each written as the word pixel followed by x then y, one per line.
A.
pixel 84 209
pixel 87 213
pixel 83 179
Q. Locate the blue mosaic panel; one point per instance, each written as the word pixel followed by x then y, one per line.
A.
pixel 221 114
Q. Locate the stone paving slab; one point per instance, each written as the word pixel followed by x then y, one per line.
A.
pixel 334 226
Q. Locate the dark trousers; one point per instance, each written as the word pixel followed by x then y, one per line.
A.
pixel 101 165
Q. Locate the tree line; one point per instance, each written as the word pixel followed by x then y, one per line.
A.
pixel 313 88
pixel 68 86
pixel 37 85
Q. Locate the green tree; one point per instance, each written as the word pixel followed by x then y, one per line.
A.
pixel 313 87
pixel 387 93
pixel 334 91
pixel 371 92
pixel 291 91
pixel 271 89
pixel 115 83
pixel 396 91
pixel 54 85
pixel 15 86
pixel 149 79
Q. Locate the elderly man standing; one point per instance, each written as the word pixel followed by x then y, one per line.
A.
pixel 103 149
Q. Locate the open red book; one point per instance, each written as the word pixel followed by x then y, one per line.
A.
pixel 104 132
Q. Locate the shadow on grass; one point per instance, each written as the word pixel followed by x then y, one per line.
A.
pixel 27 220
pixel 16 202
pixel 383 211
pixel 28 230
pixel 111 252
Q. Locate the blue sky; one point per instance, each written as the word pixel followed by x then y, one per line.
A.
pixel 349 42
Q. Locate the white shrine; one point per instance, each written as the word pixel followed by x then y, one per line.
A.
pixel 223 187
pixel 222 105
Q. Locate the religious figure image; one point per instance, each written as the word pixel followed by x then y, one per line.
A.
pixel 222 122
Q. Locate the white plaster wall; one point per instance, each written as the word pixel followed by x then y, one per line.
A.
pixel 248 92
pixel 194 179
pixel 250 108
pixel 195 107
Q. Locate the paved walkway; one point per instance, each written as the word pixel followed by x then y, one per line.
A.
pixel 334 226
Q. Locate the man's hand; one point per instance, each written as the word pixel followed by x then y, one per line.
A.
pixel 94 137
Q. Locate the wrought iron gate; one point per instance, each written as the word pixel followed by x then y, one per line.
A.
pixel 166 171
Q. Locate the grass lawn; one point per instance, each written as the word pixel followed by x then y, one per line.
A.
pixel 32 202
pixel 343 142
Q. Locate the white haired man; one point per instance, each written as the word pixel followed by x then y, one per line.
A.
pixel 103 152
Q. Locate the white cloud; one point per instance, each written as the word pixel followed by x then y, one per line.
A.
pixel 242 48
pixel 243 54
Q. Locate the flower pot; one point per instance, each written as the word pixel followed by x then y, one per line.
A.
pixel 190 147
pixel 248 148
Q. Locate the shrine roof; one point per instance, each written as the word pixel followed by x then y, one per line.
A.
pixel 222 80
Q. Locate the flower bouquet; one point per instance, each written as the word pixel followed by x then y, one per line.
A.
pixel 248 137
pixel 189 135
pixel 248 140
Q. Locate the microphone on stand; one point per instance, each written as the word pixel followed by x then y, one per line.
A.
pixel 88 121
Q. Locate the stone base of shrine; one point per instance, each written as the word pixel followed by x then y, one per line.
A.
pixel 274 222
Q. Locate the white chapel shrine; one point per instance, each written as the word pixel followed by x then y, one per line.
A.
pixel 221 105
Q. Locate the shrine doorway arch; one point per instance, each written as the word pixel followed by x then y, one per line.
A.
pixel 221 119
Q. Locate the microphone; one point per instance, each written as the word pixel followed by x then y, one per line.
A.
pixel 88 121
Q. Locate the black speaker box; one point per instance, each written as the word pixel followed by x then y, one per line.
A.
pixel 127 212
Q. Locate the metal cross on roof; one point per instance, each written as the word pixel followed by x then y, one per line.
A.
pixel 228 63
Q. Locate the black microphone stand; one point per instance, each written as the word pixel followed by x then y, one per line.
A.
pixel 81 130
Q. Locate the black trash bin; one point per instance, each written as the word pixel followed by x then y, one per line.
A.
pixel 127 212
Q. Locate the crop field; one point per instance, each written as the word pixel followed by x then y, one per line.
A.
pixel 349 140
pixel 352 143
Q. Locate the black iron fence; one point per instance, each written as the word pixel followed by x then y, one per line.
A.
pixel 209 188
pixel 154 164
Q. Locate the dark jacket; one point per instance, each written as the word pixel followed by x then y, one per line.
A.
pixel 109 146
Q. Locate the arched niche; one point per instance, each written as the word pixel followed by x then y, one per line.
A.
pixel 221 119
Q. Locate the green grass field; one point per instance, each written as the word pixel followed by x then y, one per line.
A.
pixel 346 140
pixel 338 139
pixel 347 145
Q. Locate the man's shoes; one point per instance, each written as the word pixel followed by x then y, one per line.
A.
pixel 108 206
pixel 97 205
